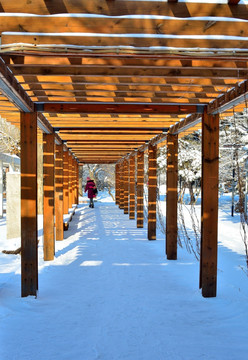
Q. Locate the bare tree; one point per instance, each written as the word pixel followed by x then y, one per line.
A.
pixel 9 138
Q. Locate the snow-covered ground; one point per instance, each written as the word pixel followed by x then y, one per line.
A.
pixel 111 294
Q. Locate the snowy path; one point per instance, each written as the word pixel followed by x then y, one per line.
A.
pixel 110 294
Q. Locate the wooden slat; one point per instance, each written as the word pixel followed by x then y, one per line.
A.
pixel 132 187
pixel 48 186
pixel 171 197
pixel 79 39
pixel 29 240
pixel 209 230
pixel 134 25
pixel 140 189
pixel 152 191
pixel 118 8
pixel 59 193
pixel 123 71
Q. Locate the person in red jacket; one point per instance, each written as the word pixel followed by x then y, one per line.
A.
pixel 90 186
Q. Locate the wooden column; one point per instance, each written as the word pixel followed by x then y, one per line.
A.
pixel 121 204
pixel 77 183
pixel 29 238
pixel 152 191
pixel 171 197
pixel 209 225
pixel 117 184
pixel 66 182
pixel 59 193
pixel 70 182
pixel 132 187
pixel 48 217
pixel 73 181
pixel 140 189
pixel 125 180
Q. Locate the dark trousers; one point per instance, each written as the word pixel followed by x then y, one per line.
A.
pixel 91 202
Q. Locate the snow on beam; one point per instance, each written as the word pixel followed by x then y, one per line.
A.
pixel 10 88
pixel 231 98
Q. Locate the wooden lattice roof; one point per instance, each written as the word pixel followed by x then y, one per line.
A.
pixel 108 76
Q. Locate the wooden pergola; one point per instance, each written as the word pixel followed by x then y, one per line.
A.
pixel 105 80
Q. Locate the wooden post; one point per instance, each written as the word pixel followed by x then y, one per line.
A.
pixel 117 184
pixel 66 182
pixel 209 230
pixel 48 217
pixel 152 191
pixel 70 182
pixel 171 197
pixel 29 238
pixel 140 189
pixel 77 183
pixel 125 180
pixel 73 181
pixel 59 224
pixel 132 187
pixel 121 204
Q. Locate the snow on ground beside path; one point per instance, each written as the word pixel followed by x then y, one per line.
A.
pixel 110 294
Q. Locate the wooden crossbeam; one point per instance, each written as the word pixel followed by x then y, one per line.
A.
pixel 118 8
pixel 110 108
pixel 123 71
pixel 80 39
pixel 12 90
pixel 134 25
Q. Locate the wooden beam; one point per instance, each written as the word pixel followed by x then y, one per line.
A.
pixel 59 224
pixel 114 40
pixel 138 71
pixel 111 108
pixel 171 197
pixel 10 88
pixel 209 230
pixel 132 187
pixel 140 189
pixel 29 237
pixel 185 124
pixel 238 94
pixel 119 8
pixel 48 216
pixel 152 191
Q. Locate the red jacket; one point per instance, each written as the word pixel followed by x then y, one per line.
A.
pixel 89 187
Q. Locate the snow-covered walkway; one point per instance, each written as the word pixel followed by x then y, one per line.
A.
pixel 111 294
